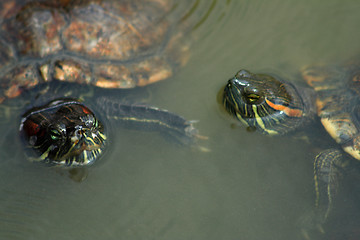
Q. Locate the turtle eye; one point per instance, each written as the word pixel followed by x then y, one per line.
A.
pixel 252 98
pixel 55 134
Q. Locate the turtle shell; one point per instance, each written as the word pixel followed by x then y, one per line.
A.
pixel 109 44
pixel 337 102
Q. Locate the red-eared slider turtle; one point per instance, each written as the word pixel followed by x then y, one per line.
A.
pixel 274 106
pixel 47 46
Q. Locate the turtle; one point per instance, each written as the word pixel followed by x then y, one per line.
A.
pixel 53 54
pixel 272 105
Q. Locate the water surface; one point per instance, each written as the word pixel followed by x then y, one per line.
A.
pixel 248 187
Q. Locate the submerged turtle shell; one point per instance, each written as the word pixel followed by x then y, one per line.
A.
pixel 337 102
pixel 102 43
pixel 109 44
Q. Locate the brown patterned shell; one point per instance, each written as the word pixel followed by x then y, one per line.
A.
pixel 109 44
pixel 338 89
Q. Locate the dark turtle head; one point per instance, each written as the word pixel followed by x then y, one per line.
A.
pixel 63 132
pixel 263 102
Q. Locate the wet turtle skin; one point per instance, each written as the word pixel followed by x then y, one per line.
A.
pixel 98 44
pixel 266 104
pixel 274 106
pixel 66 133
pixel 63 132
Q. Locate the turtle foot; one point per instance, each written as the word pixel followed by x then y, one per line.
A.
pixel 311 225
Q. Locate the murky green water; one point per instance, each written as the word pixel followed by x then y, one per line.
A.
pixel 248 187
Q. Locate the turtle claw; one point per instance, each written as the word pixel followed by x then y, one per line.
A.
pixel 311 225
pixel 204 149
pixel 201 137
pixel 194 135
pixel 306 235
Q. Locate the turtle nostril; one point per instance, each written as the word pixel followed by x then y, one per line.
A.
pixel 232 82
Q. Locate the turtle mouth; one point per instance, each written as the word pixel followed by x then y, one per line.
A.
pixel 230 94
pixel 237 98
pixel 85 148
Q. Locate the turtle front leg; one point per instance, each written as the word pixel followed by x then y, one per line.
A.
pixel 151 119
pixel 327 171
pixel 328 166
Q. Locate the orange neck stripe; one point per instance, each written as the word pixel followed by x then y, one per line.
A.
pixel 288 111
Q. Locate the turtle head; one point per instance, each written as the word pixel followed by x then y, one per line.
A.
pixel 63 133
pixel 263 102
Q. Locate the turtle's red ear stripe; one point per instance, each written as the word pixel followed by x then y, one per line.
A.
pixel 30 128
pixel 291 112
pixel 85 110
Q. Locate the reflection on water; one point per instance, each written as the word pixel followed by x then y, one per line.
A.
pixel 248 187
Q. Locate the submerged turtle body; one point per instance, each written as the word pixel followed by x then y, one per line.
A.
pixel 46 45
pixel 337 102
pixel 274 106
